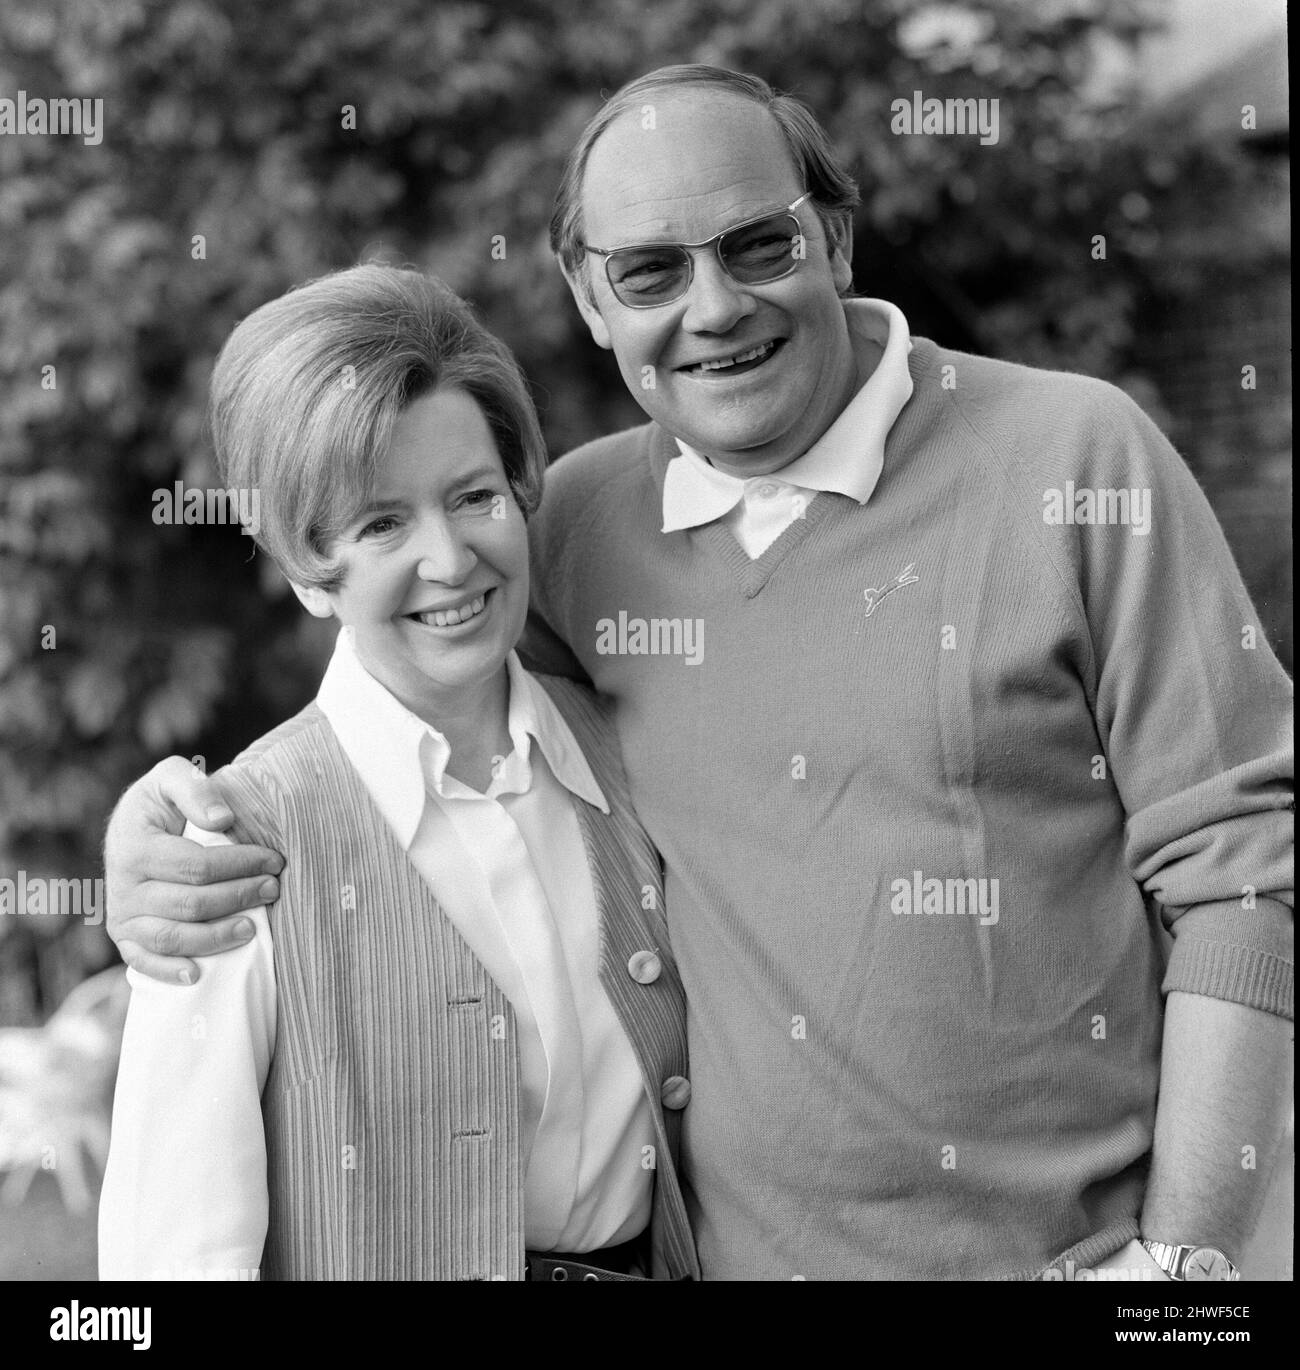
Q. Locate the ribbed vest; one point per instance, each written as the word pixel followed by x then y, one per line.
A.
pixel 392 1104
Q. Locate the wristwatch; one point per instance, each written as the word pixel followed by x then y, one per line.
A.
pixel 1192 1262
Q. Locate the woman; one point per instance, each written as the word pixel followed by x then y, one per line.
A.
pixel 445 1053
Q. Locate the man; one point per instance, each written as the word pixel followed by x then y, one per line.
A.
pixel 931 749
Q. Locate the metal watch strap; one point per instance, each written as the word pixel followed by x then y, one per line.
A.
pixel 1170 1259
pixel 1173 1259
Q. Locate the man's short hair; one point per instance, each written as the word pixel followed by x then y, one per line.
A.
pixel 307 389
pixel 834 191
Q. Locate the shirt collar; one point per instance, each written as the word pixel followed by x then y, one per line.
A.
pixel 847 459
pixel 399 756
pixel 533 714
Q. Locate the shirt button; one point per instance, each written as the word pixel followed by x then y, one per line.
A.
pixel 676 1092
pixel 644 967
pixel 767 490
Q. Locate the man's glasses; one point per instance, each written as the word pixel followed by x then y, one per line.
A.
pixel 650 274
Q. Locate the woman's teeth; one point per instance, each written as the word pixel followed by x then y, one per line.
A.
pixel 446 618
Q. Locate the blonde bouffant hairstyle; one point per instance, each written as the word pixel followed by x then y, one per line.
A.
pixel 307 389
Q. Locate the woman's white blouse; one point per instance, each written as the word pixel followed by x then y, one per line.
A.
pixel 184 1193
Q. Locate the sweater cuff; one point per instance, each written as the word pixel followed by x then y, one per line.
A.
pixel 1219 955
pixel 1089 1253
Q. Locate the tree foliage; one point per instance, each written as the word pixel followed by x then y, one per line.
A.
pixel 230 168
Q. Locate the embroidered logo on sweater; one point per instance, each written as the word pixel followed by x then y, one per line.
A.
pixel 874 596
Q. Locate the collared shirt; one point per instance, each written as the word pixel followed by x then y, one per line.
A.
pixel 509 868
pixel 847 459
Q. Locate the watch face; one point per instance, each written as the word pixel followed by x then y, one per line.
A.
pixel 1205 1263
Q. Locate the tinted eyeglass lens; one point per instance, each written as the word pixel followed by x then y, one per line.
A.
pixel 761 252
pixel 752 254
pixel 649 275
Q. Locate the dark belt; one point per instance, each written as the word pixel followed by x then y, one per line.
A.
pixel 609 1263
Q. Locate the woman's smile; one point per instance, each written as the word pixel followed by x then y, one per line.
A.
pixel 458 615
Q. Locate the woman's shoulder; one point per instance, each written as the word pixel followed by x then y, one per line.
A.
pixel 285 740
pixel 286 761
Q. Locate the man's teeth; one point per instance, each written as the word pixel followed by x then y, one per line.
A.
pixel 752 355
pixel 445 618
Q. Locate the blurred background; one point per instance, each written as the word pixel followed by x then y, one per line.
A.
pixel 227 173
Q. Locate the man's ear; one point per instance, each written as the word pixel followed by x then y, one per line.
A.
pixel 840 246
pixel 315 600
pixel 591 316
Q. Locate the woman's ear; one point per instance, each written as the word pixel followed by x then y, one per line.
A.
pixel 315 600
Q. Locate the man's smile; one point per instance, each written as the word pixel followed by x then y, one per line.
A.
pixel 731 364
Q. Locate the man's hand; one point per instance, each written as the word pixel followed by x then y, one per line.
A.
pixel 164 891
pixel 1137 1261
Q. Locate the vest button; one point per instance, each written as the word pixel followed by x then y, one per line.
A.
pixel 676 1092
pixel 644 967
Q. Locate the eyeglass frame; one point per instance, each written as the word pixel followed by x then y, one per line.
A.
pixel 715 242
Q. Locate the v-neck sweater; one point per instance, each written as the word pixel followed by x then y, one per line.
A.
pixel 930 778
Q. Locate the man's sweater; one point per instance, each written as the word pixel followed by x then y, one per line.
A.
pixel 927 778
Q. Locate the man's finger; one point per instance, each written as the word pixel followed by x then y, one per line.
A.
pixel 203 903
pixel 178 861
pixel 172 970
pixel 194 794
pixel 165 937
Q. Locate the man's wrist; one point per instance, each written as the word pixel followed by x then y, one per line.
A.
pixel 1190 1261
pixel 1131 1262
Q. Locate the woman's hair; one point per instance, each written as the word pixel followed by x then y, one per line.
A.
pixel 833 190
pixel 307 390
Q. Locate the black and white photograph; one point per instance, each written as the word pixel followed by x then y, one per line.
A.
pixel 646 642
